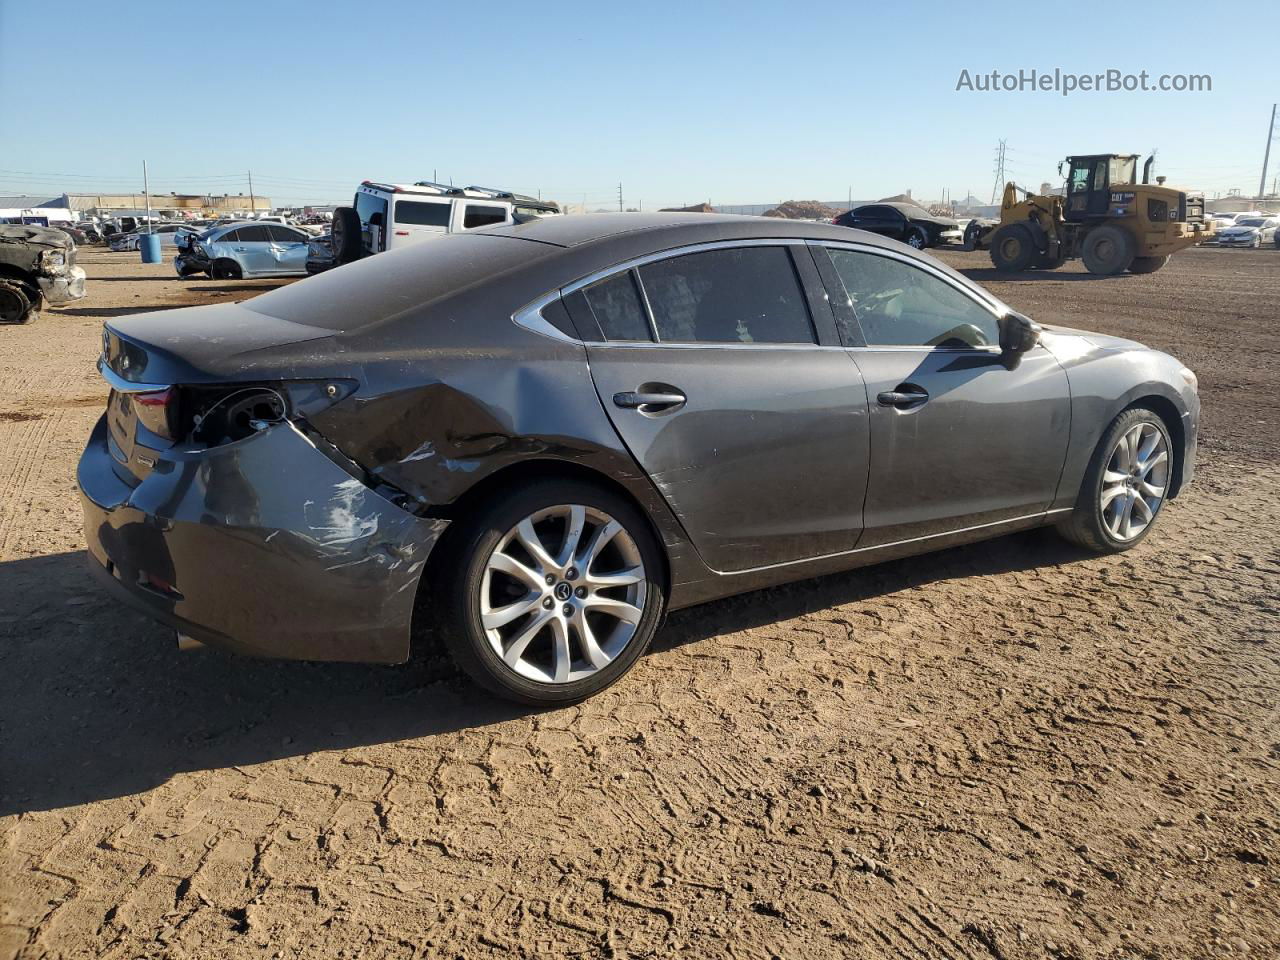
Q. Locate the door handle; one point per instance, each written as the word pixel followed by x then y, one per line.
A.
pixel 904 398
pixel 642 400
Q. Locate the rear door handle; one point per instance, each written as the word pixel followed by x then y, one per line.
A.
pixel 651 400
pixel 904 397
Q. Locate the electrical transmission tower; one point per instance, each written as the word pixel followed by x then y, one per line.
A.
pixel 1266 157
pixel 998 189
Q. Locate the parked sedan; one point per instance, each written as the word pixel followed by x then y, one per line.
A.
pixel 167 232
pixel 1248 232
pixel 235 250
pixel 912 225
pixel 552 433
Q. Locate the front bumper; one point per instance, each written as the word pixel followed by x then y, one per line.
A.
pixel 948 237
pixel 188 263
pixel 264 547
pixel 1238 241
pixel 65 287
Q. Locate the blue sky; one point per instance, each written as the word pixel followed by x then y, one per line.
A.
pixel 682 102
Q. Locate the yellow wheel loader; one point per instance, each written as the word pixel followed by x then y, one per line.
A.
pixel 1104 217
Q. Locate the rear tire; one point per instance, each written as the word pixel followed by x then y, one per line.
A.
pixel 1117 478
pixel 348 245
pixel 1107 251
pixel 1012 249
pixel 529 640
pixel 17 304
pixel 1148 264
pixel 225 270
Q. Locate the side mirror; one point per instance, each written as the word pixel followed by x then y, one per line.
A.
pixel 1018 334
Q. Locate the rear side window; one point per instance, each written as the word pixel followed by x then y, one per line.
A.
pixel 254 234
pixel 899 305
pixel 421 214
pixel 483 216
pixel 737 295
pixel 617 308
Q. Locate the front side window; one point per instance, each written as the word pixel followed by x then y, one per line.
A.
pixel 483 216
pixel 423 214
pixel 231 236
pixel 900 305
pixel 617 308
pixel 735 295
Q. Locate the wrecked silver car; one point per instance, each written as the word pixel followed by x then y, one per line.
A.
pixel 37 265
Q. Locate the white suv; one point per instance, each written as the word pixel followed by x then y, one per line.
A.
pixel 386 216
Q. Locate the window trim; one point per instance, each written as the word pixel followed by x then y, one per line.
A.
pixel 983 299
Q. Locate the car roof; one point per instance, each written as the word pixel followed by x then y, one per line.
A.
pixel 682 228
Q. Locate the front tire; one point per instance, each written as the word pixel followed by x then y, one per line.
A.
pixel 1125 486
pixel 553 593
pixel 17 305
pixel 1012 249
pixel 917 239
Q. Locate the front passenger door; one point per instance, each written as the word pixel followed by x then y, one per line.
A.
pixel 957 440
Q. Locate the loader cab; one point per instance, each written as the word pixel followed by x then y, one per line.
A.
pixel 1089 183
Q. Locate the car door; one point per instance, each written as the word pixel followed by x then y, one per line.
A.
pixel 750 421
pixel 957 439
pixel 419 219
pixel 872 219
pixel 288 249
pixel 253 249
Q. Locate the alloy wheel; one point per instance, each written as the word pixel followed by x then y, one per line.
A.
pixel 1134 481
pixel 916 240
pixel 562 594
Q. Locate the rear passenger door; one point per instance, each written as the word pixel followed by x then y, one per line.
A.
pixel 721 371
pixel 417 220
pixel 253 248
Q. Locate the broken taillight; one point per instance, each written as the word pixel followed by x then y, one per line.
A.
pixel 155 411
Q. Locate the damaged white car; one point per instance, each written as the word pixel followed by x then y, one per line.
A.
pixel 37 265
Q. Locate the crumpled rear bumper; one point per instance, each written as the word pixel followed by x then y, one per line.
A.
pixel 264 547
pixel 63 288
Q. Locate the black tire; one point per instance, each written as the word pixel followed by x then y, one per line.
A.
pixel 473 541
pixel 17 303
pixel 1012 248
pixel 348 245
pixel 972 233
pixel 225 270
pixel 1084 526
pixel 1148 264
pixel 917 238
pixel 1107 251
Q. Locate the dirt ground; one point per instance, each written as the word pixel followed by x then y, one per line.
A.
pixel 1001 751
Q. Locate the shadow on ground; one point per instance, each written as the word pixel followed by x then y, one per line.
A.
pixel 990 274
pixel 99 703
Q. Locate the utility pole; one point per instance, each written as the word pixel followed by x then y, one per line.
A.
pixel 619 196
pixel 1266 157
pixel 146 189
pixel 253 203
pixel 998 188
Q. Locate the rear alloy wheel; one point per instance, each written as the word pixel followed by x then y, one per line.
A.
pixel 1107 251
pixel 1012 249
pixel 16 304
pixel 225 270
pixel 557 595
pixel 917 238
pixel 1125 486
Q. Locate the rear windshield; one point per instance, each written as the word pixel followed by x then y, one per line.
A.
pixel 386 284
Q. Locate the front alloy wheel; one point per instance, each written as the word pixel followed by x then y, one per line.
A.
pixel 562 594
pixel 1134 481
pixel 550 593
pixel 1125 485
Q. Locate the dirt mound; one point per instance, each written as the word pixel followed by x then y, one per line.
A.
pixel 802 210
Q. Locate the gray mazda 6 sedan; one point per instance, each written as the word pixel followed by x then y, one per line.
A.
pixel 542 437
